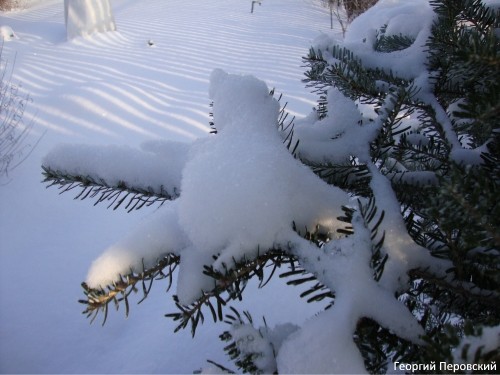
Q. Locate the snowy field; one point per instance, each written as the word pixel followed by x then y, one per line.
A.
pixel 149 80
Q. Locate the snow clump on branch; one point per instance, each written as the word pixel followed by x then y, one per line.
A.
pixel 241 191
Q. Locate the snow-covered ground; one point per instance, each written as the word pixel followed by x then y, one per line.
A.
pixel 148 80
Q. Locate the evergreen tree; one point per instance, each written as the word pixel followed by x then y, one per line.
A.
pixel 455 214
pixel 410 268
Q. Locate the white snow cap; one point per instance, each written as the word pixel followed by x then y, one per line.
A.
pixel 158 166
pixel 241 189
pixel 237 98
pixel 335 137
pixel 412 18
pixel 405 17
pixel 152 239
pixel 7 34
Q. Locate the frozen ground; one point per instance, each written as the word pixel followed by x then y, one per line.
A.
pixel 147 81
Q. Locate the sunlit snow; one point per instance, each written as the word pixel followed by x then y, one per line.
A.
pixel 119 110
pixel 115 89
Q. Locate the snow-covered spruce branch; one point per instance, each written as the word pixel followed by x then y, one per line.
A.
pixel 464 291
pixel 340 67
pixel 229 285
pixel 230 282
pixel 116 175
pixel 474 202
pixel 132 198
pixel 98 299
pixel 350 175
pixel 245 345
pixel 253 349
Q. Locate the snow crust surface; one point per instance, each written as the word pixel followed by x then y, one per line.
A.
pixel 115 89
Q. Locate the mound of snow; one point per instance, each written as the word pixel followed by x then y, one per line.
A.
pixel 7 34
pixel 86 17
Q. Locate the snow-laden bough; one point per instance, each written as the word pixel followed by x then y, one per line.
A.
pixel 242 192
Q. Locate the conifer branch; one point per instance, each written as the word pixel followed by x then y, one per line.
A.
pixel 132 198
pixel 243 355
pixel 466 291
pixel 228 285
pixel 350 176
pixel 98 299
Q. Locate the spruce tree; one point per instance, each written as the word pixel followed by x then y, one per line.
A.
pixel 455 214
pixel 411 275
